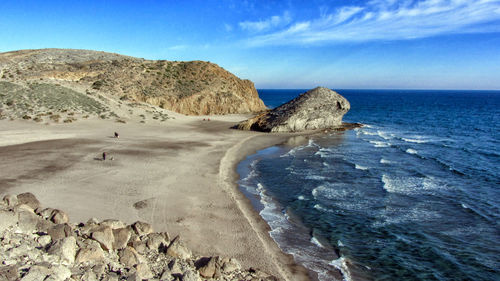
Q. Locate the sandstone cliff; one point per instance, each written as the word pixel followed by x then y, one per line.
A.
pixel 193 88
pixel 319 108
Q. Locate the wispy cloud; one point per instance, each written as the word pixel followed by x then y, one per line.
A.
pixel 266 24
pixel 177 47
pixel 383 20
pixel 228 27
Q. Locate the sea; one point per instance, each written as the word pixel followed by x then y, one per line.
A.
pixel 414 194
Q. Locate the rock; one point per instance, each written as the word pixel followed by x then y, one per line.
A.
pixel 11 200
pixel 121 237
pixel 29 199
pixel 230 266
pixel 191 275
pixel 208 270
pixel 58 273
pixel 143 271
pixel 103 235
pixel 142 228
pixel 114 224
pixel 319 108
pixel 175 267
pixel 129 257
pixel 166 275
pixel 60 231
pixel 9 273
pixel 44 240
pixel 65 249
pixel 155 240
pixel 36 273
pixel 44 213
pixel 177 249
pixel 59 216
pixel 139 246
pixel 92 253
pixel 7 220
pixel 28 221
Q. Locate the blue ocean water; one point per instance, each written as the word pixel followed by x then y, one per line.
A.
pixel 412 195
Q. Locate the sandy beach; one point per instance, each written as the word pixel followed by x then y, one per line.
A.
pixel 177 175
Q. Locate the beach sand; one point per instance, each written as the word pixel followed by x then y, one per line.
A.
pixel 177 175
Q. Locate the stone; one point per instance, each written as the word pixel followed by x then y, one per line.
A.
pixel 60 231
pixel 191 275
pixel 59 217
pixel 7 220
pixel 121 237
pixel 166 275
pixel 114 224
pixel 155 240
pixel 28 221
pixel 9 273
pixel 143 271
pixel 92 253
pixel 139 246
pixel 230 266
pixel 142 228
pixel 65 249
pixel 319 108
pixel 58 273
pixel 44 213
pixel 175 267
pixel 36 273
pixel 44 240
pixel 29 199
pixel 129 257
pixel 103 235
pixel 177 249
pixel 208 270
pixel 11 200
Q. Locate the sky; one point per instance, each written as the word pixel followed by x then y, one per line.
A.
pixel 340 44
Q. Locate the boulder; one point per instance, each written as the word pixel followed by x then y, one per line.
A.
pixel 36 273
pixel 208 270
pixel 29 199
pixel 121 237
pixel 44 240
pixel 58 273
pixel 91 253
pixel 9 273
pixel 60 231
pixel 155 240
pixel 319 108
pixel 142 228
pixel 114 224
pixel 65 249
pixel 230 265
pixel 143 271
pixel 129 257
pixel 7 220
pixel 177 249
pixel 190 275
pixel 11 200
pixel 28 221
pixel 104 235
pixel 59 216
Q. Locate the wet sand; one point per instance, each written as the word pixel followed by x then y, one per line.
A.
pixel 177 175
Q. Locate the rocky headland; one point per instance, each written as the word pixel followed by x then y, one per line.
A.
pixel 319 108
pixel 53 84
pixel 39 243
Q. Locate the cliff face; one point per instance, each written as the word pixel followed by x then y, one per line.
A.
pixel 319 108
pixel 192 88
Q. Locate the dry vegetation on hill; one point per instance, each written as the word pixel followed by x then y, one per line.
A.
pixel 33 81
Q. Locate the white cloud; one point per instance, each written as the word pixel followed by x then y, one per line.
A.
pixel 263 25
pixel 384 20
pixel 177 47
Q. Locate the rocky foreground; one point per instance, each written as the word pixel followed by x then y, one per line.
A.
pixel 319 108
pixel 41 244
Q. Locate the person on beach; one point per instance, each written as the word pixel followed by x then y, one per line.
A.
pixel 103 156
pixel 116 135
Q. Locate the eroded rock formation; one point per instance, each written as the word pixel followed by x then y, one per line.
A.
pixel 319 108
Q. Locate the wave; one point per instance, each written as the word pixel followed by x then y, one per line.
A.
pixel 316 177
pixel 380 143
pixel 385 161
pixel 341 264
pixel 359 167
pixel 411 151
pixel 410 185
pixel 417 140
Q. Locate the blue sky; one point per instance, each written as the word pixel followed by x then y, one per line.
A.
pixel 414 44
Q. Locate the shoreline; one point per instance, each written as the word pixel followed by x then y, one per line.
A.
pixel 179 176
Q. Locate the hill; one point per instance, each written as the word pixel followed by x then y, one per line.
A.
pixel 88 82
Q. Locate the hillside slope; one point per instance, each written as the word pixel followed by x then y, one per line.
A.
pixel 193 88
